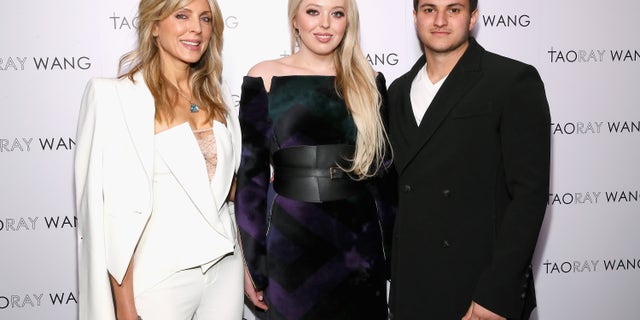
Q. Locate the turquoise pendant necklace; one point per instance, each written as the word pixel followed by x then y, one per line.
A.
pixel 193 108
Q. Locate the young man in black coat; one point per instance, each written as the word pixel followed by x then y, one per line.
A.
pixel 471 136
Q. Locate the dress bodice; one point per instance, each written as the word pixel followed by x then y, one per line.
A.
pixel 302 110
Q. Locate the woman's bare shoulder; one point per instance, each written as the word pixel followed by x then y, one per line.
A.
pixel 268 69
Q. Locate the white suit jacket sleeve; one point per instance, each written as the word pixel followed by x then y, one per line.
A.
pixel 93 279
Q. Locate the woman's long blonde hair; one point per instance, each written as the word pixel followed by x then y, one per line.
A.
pixel 356 83
pixel 205 75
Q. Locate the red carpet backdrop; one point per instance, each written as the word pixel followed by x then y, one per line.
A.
pixel 587 264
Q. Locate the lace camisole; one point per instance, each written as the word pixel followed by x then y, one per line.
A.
pixel 207 142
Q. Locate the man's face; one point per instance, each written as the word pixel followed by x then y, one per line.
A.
pixel 444 25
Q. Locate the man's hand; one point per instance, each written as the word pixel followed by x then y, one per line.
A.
pixel 478 312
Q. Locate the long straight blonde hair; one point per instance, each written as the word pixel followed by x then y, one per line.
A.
pixel 356 83
pixel 205 75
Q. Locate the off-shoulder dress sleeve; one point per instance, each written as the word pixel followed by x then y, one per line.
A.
pixel 253 177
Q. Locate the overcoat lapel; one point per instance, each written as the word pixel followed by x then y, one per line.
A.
pixel 406 117
pixel 460 81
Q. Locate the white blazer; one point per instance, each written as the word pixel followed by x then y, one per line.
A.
pixel 113 175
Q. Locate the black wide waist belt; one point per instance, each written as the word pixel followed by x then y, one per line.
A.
pixel 313 173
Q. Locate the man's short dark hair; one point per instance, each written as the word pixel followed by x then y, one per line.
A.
pixel 473 4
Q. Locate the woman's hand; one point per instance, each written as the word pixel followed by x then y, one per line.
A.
pixel 256 297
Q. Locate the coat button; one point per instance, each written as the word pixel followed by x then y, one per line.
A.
pixel 445 244
pixel 406 188
pixel 446 193
pixel 523 295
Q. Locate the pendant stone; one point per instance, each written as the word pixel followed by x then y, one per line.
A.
pixel 194 108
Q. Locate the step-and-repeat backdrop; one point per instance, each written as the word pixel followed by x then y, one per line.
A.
pixel 587 264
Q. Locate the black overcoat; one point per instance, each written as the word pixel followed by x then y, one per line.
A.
pixel 473 183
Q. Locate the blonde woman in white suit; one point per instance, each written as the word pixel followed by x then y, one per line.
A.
pixel 157 152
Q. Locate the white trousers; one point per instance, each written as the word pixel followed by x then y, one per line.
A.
pixel 191 295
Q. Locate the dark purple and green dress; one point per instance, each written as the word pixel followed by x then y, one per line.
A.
pixel 317 255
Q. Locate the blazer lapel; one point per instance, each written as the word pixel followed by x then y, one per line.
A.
pixel 228 142
pixel 186 162
pixel 221 182
pixel 181 152
pixel 138 109
pixel 462 78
